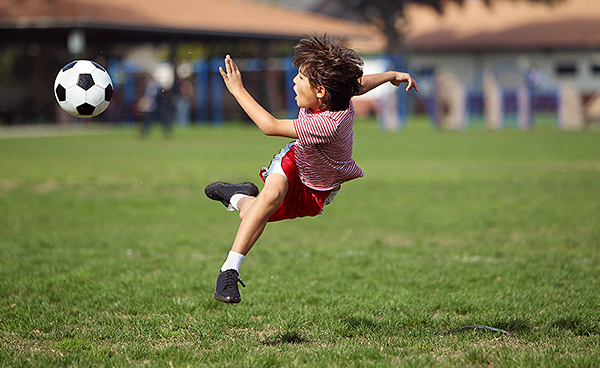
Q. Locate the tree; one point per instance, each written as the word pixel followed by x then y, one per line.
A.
pixel 385 14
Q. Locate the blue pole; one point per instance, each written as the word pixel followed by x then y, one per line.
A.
pixel 399 63
pixel 394 118
pixel 113 67
pixel 114 70
pixel 216 93
pixel 290 97
pixel 129 91
pixel 202 77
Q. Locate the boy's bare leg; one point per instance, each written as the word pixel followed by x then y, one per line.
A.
pixel 255 212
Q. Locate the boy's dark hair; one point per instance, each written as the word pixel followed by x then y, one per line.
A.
pixel 328 63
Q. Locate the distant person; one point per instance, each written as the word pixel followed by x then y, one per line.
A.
pixel 307 173
pixel 156 107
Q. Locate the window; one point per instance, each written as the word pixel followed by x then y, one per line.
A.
pixel 566 69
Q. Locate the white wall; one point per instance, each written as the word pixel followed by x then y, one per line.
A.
pixel 469 66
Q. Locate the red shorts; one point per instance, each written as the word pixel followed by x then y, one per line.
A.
pixel 300 200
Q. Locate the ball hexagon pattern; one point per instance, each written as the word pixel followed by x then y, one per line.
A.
pixel 83 88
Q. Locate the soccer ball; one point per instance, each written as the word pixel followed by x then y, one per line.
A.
pixel 83 88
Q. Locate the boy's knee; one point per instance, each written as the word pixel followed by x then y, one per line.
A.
pixel 272 197
pixel 269 198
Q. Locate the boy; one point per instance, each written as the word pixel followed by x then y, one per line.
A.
pixel 307 173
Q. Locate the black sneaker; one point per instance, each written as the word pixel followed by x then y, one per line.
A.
pixel 222 191
pixel 226 289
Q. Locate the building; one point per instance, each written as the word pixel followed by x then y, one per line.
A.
pixel 552 50
pixel 561 40
pixel 38 37
pixel 520 41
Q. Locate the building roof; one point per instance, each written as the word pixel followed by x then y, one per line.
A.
pixel 506 25
pixel 227 18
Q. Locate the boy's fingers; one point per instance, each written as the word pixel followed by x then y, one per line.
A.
pixel 234 68
pixel 412 84
pixel 228 65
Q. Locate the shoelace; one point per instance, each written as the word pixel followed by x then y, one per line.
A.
pixel 231 280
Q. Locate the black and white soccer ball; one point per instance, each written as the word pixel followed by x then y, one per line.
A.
pixel 83 88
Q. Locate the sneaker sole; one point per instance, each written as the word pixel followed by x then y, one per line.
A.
pixel 210 190
pixel 226 299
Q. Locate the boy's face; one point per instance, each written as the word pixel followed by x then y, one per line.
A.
pixel 307 96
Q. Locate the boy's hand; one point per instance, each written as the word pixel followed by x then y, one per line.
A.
pixel 405 77
pixel 231 76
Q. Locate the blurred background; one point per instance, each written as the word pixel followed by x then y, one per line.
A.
pixel 479 63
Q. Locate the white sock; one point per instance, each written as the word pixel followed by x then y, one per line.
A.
pixel 235 199
pixel 233 261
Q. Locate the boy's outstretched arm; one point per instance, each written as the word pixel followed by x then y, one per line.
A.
pixel 266 122
pixel 371 81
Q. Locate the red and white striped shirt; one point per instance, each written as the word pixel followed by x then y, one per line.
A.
pixel 323 150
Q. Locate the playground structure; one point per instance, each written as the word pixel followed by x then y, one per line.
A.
pixel 498 98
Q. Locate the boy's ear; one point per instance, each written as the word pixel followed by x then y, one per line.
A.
pixel 320 92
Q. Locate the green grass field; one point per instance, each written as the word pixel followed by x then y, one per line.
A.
pixel 110 250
